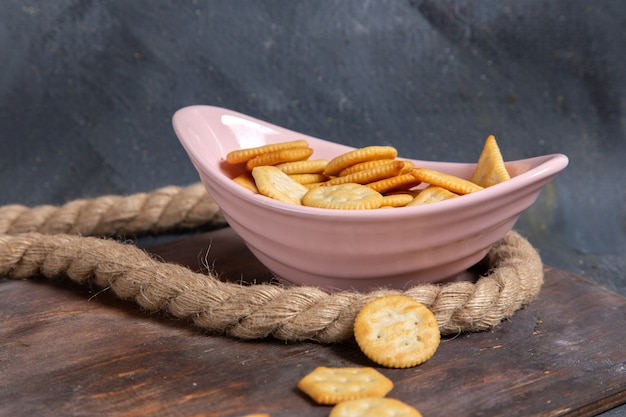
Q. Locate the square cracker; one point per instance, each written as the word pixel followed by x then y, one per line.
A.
pixel 333 385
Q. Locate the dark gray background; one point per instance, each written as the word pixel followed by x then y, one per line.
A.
pixel 88 88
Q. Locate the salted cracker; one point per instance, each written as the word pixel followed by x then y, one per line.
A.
pixel 490 169
pixel 368 153
pixel 396 331
pixel 333 385
pixel 348 196
pixel 374 407
pixel 273 183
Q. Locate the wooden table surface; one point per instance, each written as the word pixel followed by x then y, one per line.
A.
pixel 67 350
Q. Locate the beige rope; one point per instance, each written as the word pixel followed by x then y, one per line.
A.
pixel 256 311
pixel 164 209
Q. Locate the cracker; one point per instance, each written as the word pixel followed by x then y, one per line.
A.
pixel 374 407
pixel 396 200
pixel 277 157
pixel 362 166
pixel 375 173
pixel 343 197
pixel 432 194
pixel 396 331
pixel 449 182
pixel 308 178
pixel 309 166
pixel 398 182
pixel 274 183
pixel 333 385
pixel 408 166
pixel 490 169
pixel 243 155
pixel 247 181
pixel 368 153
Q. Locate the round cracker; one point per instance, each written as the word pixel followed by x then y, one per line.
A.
pixel 375 173
pixel 309 166
pixel 398 182
pixel 277 157
pixel 368 153
pixel 449 182
pixel 397 200
pixel 245 154
pixel 432 194
pixel 396 331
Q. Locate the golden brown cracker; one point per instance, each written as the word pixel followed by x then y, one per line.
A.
pixel 333 385
pixel 348 196
pixel 432 194
pixel 398 182
pixel 274 183
pixel 490 169
pixel 308 178
pixel 245 154
pixel 449 182
pixel 375 173
pixel 374 407
pixel 368 153
pixel 396 200
pixel 363 165
pixel 309 166
pixel 277 157
pixel 396 331
pixel 247 181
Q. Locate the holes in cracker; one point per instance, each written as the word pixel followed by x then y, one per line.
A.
pixel 392 182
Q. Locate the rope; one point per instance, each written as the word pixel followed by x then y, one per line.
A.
pixel 29 248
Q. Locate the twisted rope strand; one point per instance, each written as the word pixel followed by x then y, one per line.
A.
pixel 248 312
pixel 46 241
pixel 155 212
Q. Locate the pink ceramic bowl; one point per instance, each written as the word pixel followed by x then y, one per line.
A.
pixel 355 249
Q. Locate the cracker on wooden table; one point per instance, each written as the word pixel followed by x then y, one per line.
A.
pixel 274 183
pixel 374 407
pixel 243 155
pixel 368 153
pixel 348 196
pixel 396 331
pixel 490 169
pixel 277 157
pixel 432 194
pixel 333 385
pixel 449 182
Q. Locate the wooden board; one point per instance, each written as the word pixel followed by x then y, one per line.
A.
pixel 69 350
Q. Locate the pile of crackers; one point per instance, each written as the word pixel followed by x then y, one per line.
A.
pixel 366 178
pixel 394 331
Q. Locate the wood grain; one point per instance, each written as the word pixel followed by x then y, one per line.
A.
pixel 70 350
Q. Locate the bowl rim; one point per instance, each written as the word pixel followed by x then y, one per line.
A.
pixel 543 168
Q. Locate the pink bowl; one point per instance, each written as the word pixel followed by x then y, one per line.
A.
pixel 355 249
